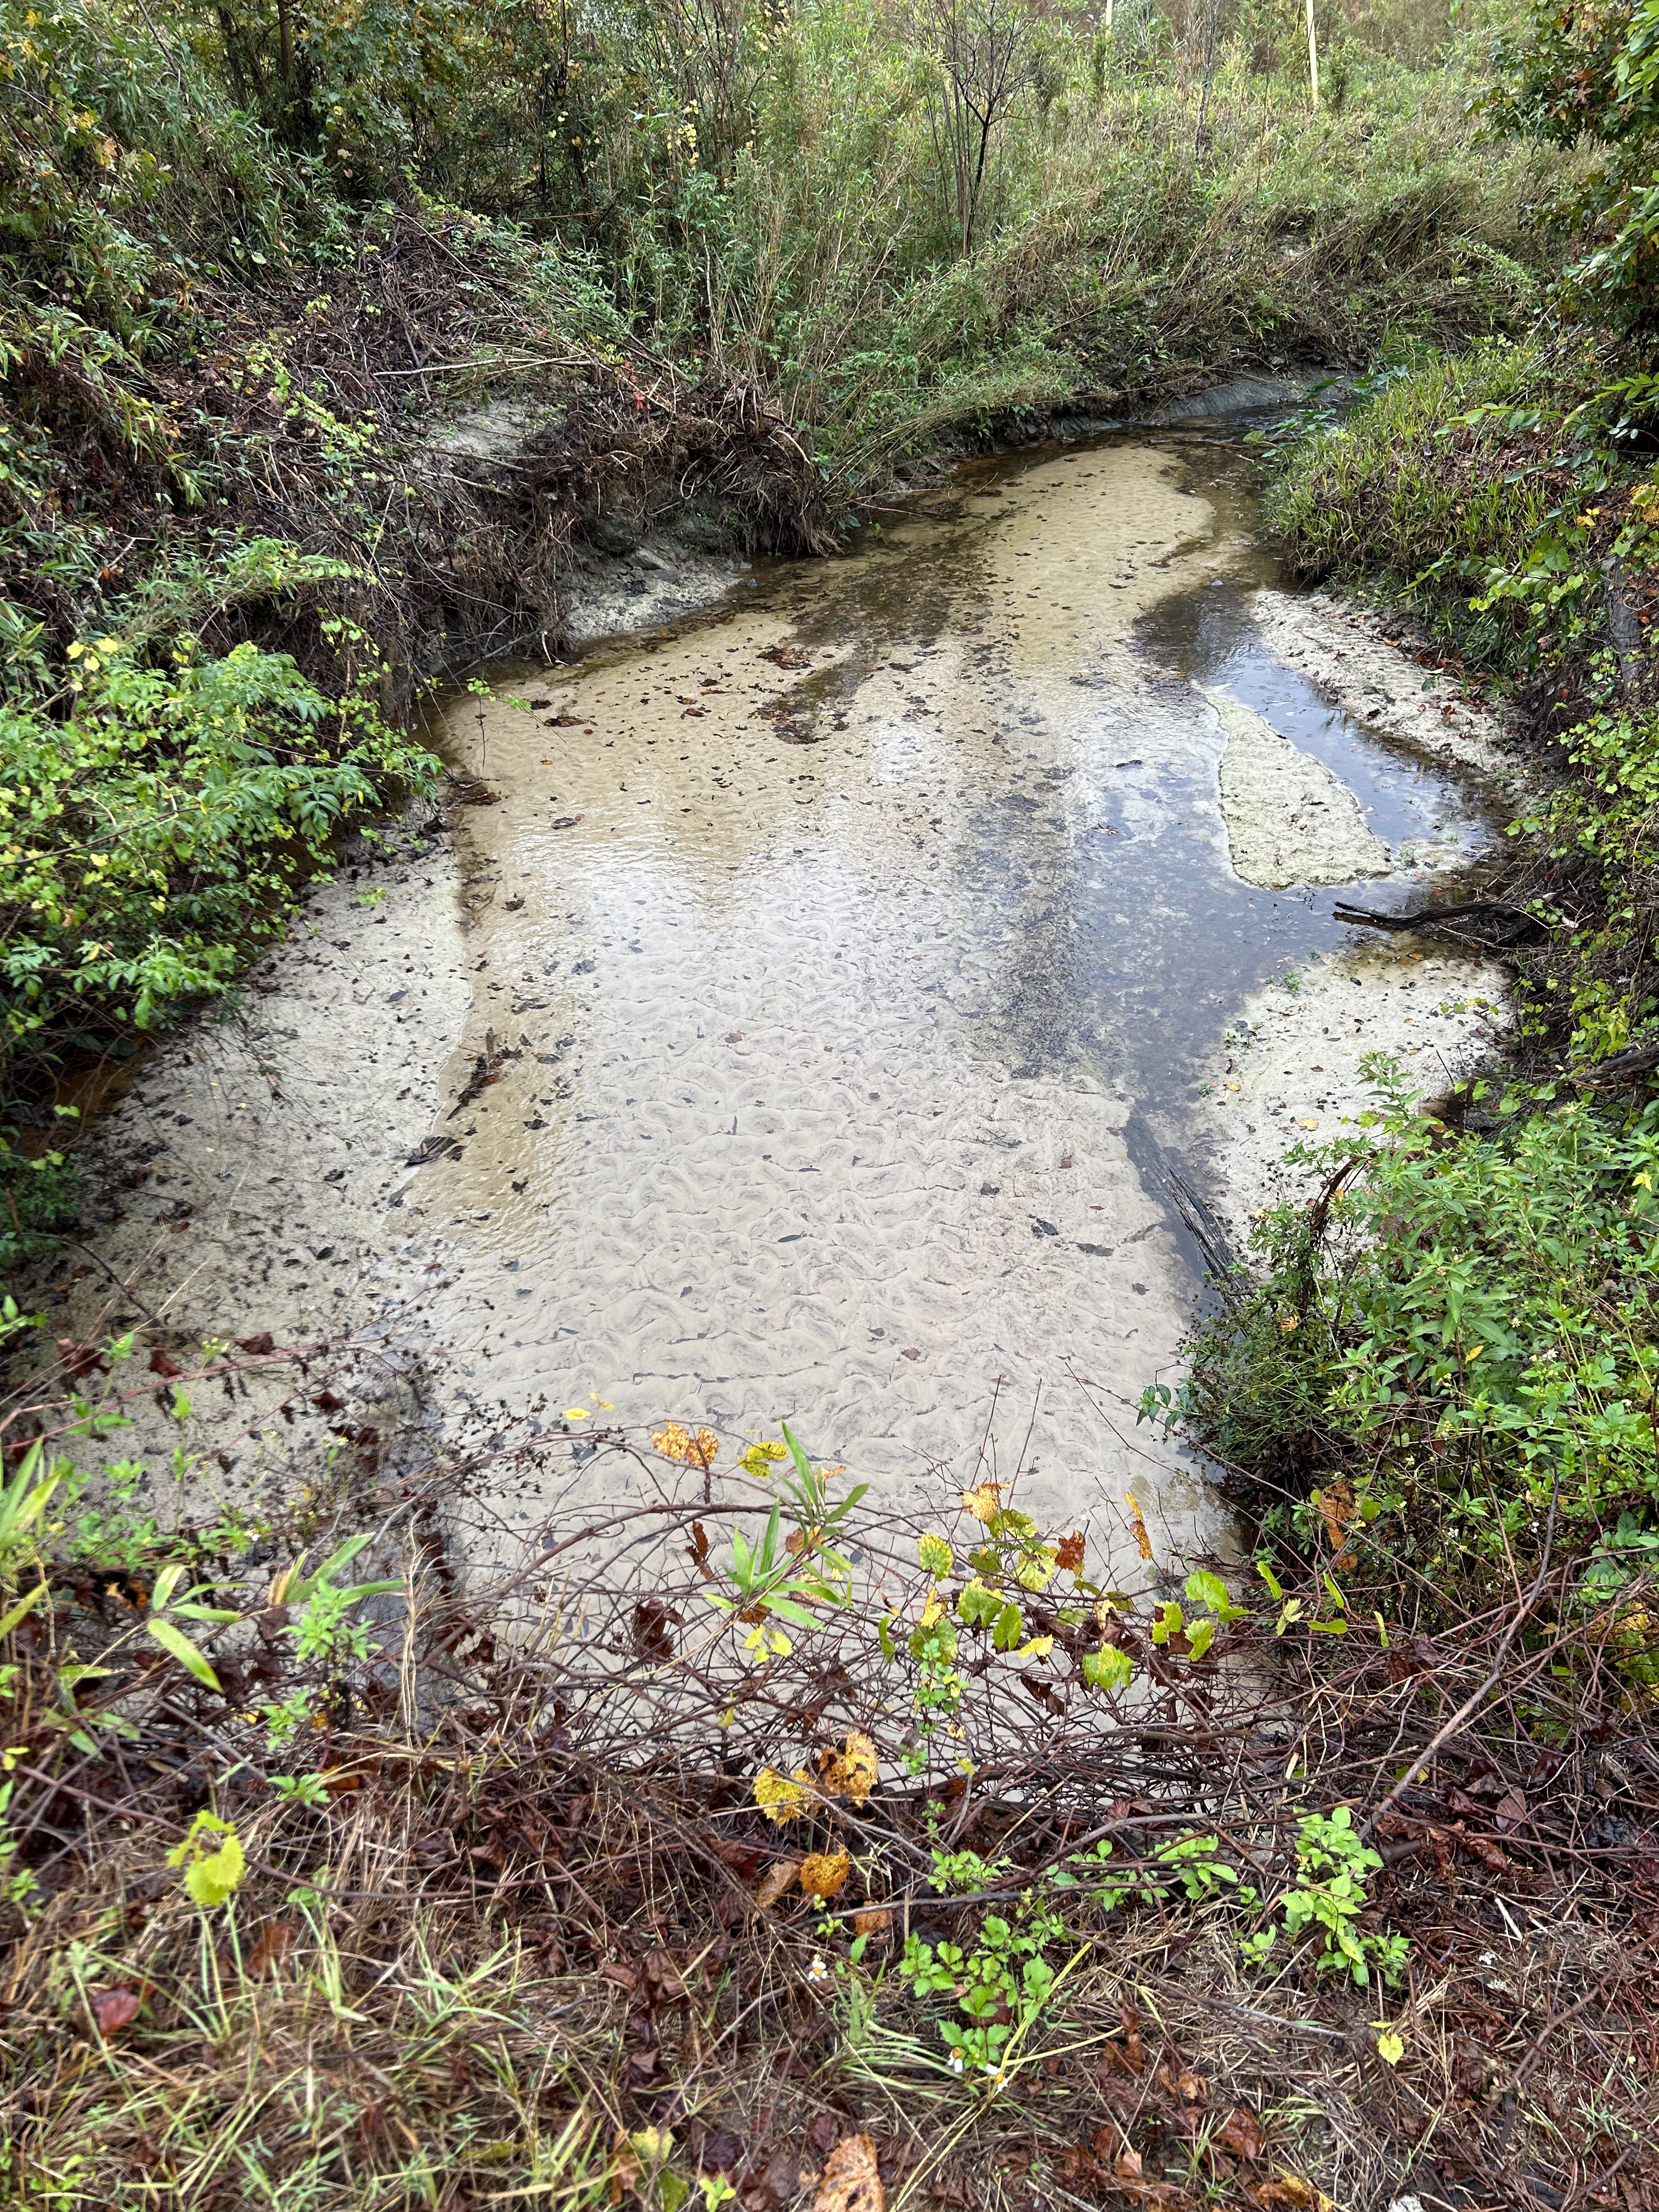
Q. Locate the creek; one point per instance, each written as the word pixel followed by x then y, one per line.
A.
pixel 846 965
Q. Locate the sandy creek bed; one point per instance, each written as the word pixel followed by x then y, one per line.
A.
pixel 859 953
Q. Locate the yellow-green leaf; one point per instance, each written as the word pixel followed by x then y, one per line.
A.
pixel 936 1555
pixel 173 1639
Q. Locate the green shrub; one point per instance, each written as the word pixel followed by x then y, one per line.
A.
pixel 1469 1319
pixel 155 822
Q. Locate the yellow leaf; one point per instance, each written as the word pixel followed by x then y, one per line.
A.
pixel 1308 1121
pixel 1390 2047
pixel 851 1771
pixel 779 1798
pixel 824 1874
pixel 576 1413
pixel 1139 1522
pixel 1039 1647
pixel 984 1501
pixel 672 1442
pixel 933 1610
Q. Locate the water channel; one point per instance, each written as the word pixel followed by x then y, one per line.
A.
pixel 846 960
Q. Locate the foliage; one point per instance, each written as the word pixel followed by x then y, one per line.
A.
pixel 159 818
pixel 1328 1896
pixel 1472 1317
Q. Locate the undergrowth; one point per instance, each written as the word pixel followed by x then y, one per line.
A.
pixel 951 1874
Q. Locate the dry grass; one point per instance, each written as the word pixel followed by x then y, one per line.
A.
pixel 530 1921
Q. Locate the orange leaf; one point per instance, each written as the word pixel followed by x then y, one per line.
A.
pixel 851 1771
pixel 875 1922
pixel 1068 1558
pixel 1240 2134
pixel 824 1874
pixel 851 2183
pixel 1138 1520
pixel 274 1941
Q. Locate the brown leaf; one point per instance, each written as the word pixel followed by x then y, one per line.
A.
pixel 823 1874
pixel 1240 2134
pixel 114 2008
pixel 723 2153
pixel 851 2183
pixel 779 1876
pixel 875 1922
pixel 824 2132
pixel 1127 2166
pixel 1511 1810
pixel 259 1345
pixel 774 2189
pixel 163 1363
pixel 1068 1556
pixel 274 1939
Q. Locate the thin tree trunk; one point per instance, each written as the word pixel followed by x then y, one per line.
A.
pixel 1313 58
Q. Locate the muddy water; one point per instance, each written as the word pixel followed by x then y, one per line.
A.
pixel 853 953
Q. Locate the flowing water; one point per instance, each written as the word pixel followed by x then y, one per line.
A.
pixel 852 952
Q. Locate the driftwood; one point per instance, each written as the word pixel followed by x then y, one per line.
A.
pixel 1489 923
pixel 1629 1066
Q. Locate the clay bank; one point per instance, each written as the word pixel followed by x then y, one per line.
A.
pixel 809 999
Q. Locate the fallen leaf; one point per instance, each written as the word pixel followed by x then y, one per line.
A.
pixel 259 1345
pixel 274 1939
pixel 114 2008
pixel 875 1922
pixel 823 1874
pixel 723 2152
pixel 909 1352
pixel 851 1771
pixel 1127 2165
pixel 851 2183
pixel 1290 2188
pixel 163 1363
pixel 1240 2134
pixel 779 1876
pixel 1511 1810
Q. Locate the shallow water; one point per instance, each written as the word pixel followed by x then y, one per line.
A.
pixel 857 948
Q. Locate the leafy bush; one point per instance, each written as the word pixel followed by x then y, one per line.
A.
pixel 157 820
pixel 1470 1319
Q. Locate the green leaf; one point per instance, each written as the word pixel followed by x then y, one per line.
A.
pixel 1199 1640
pixel 210 1875
pixel 1274 1587
pixel 1011 1626
pixel 173 1639
pixel 166 1583
pixel 803 1465
pixel 1111 1669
